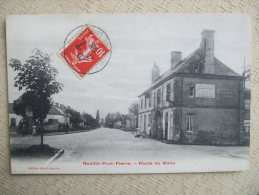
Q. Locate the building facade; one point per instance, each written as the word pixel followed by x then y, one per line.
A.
pixel 198 100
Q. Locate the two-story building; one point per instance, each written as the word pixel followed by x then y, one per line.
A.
pixel 198 100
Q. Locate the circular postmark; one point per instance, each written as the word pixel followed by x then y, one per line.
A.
pixel 87 49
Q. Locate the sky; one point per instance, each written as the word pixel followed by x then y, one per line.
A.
pixel 138 41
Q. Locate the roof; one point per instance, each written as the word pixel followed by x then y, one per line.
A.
pixel 54 110
pixel 184 67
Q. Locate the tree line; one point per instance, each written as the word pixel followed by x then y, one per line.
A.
pixel 117 119
pixel 79 120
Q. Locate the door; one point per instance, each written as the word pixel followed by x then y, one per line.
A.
pixel 166 126
pixel 144 123
pixel 158 131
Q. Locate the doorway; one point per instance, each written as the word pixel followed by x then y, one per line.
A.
pixel 166 126
pixel 158 131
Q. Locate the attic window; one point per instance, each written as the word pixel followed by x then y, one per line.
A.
pixel 195 67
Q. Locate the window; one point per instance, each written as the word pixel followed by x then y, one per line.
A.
pixel 141 103
pixel 192 92
pixel 196 67
pixel 189 122
pixel 144 122
pixel 147 100
pixel 140 121
pixel 168 91
pixel 158 96
pixel 247 126
pixel 13 122
pixel 52 121
pixel 154 99
pixel 149 120
pixel 247 104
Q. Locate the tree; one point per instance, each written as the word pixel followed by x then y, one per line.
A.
pixel 107 120
pixel 30 101
pixel 75 117
pixel 37 77
pixel 133 109
pixel 97 117
pixel 112 118
pixel 118 117
pixel 90 121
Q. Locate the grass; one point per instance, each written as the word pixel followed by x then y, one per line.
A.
pixel 34 151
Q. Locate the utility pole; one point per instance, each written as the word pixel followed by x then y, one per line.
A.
pixel 244 66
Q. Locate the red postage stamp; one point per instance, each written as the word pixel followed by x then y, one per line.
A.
pixel 87 50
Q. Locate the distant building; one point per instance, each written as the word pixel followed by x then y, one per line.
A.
pixel 198 100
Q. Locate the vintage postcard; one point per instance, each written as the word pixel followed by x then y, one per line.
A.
pixel 128 93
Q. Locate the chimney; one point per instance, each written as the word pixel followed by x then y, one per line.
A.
pixel 62 106
pixel 207 50
pixel 176 56
pixel 155 73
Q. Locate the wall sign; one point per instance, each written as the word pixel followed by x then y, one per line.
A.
pixel 227 93
pixel 205 90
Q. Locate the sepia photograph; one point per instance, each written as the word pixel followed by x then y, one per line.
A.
pixel 124 93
